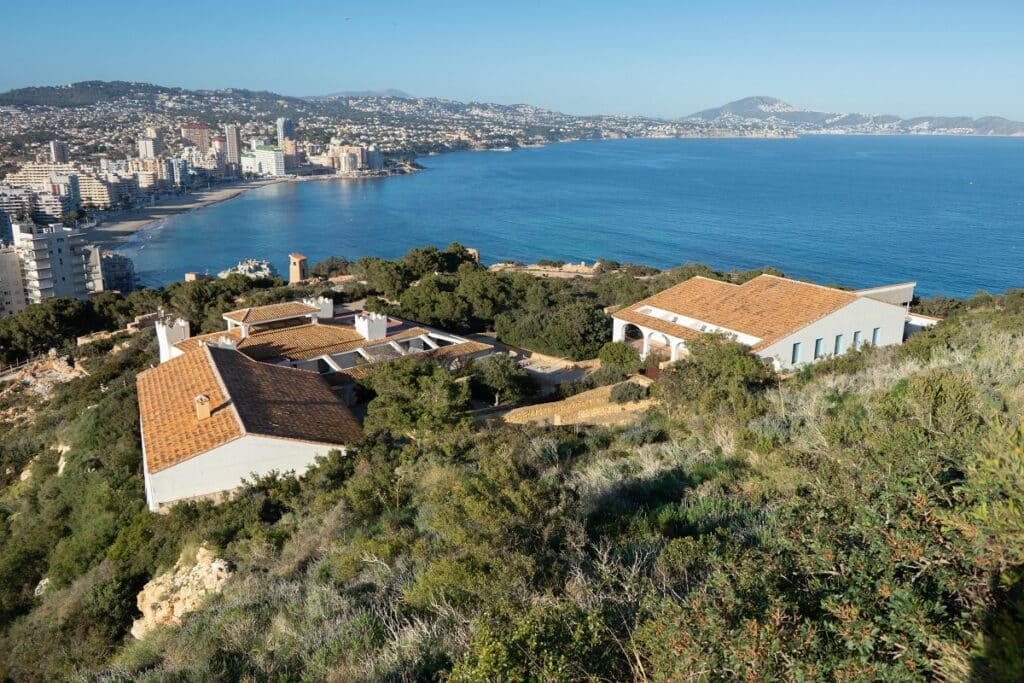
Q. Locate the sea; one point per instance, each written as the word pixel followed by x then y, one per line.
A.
pixel 947 212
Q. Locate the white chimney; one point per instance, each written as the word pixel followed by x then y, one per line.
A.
pixel 325 304
pixel 372 325
pixel 168 333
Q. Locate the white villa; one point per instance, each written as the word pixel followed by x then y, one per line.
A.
pixel 784 321
pixel 269 393
pixel 213 417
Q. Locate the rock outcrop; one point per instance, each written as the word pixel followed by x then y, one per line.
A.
pixel 167 597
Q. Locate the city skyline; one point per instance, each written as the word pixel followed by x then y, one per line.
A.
pixel 650 59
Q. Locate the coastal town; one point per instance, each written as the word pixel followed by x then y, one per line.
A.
pixel 89 164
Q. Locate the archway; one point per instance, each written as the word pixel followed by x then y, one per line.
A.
pixel 658 346
pixel 632 333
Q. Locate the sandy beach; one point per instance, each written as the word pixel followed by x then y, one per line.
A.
pixel 120 226
pixel 117 227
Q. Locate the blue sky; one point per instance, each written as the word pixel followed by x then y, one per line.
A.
pixel 661 58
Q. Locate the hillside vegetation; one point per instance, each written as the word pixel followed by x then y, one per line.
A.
pixel 859 521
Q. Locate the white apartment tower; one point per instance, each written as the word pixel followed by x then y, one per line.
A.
pixel 54 261
pixel 149 148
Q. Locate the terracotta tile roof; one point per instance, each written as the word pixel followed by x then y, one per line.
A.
pixel 273 400
pixel 303 342
pixel 262 314
pixel 245 397
pixel 192 343
pixel 171 433
pixel 767 307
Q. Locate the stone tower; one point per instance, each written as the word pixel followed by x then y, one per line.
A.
pixel 298 269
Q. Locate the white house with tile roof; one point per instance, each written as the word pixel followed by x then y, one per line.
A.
pixel 307 335
pixel 268 393
pixel 212 417
pixel 787 322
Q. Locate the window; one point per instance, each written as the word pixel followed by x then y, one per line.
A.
pixel 839 344
pixel 796 352
pixel 876 335
pixel 819 348
pixel 856 339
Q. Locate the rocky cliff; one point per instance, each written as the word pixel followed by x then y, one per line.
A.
pixel 168 597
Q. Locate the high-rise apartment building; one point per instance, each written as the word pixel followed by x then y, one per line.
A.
pixel 198 134
pixel 110 271
pixel 93 190
pixel 17 204
pixel 12 288
pixel 54 261
pixel 285 130
pixel 264 161
pixel 179 173
pixel 149 148
pixel 50 206
pixel 234 148
pixel 58 152
pixel 374 158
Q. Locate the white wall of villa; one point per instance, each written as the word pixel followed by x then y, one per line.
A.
pixel 838 331
pixel 223 468
pixel 865 320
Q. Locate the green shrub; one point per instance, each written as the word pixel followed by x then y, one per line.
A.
pixel 501 379
pixel 718 374
pixel 550 642
pixel 766 433
pixel 628 392
pixel 638 435
pixel 621 356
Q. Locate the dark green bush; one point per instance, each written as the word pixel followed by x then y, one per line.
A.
pixel 628 392
pixel 621 356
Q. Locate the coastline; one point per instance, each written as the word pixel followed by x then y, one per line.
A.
pixel 125 224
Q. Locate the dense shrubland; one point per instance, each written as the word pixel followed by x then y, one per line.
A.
pixel 859 521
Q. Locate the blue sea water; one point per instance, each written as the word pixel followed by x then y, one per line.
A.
pixel 945 211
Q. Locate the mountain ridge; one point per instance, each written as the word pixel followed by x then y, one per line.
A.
pixel 750 115
pixel 768 112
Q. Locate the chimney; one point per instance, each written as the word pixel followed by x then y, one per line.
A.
pixel 168 333
pixel 325 304
pixel 372 325
pixel 202 407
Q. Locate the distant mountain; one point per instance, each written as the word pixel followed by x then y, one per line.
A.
pixel 772 113
pixel 390 92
